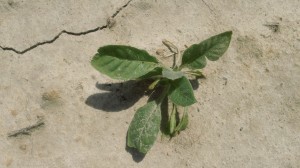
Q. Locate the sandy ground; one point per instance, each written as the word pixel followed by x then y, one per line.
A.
pixel 248 110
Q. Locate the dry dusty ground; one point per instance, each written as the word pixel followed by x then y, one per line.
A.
pixel 248 110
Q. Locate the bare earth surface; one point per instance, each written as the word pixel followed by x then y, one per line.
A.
pixel 248 110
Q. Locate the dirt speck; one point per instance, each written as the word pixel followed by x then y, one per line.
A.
pixel 8 161
pixel 78 139
pixel 110 22
pixel 160 52
pixel 12 3
pixel 143 5
pixel 52 95
pixel 51 99
pixel 23 147
pixel 14 113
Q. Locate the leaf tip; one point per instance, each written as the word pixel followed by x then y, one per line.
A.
pixel 229 34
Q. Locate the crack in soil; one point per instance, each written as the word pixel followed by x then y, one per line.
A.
pixel 65 32
pixel 211 10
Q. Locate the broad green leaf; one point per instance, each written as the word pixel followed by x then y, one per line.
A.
pixel 123 62
pixel 181 92
pixel 170 74
pixel 212 48
pixel 183 122
pixel 144 127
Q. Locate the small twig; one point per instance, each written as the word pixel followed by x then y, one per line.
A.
pixel 26 130
pixel 170 46
pixel 171 55
pixel 173 49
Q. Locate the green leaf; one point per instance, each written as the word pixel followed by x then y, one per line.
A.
pixel 155 72
pixel 172 120
pixel 144 127
pixel 170 74
pixel 212 48
pixel 123 62
pixel 181 92
pixel 183 122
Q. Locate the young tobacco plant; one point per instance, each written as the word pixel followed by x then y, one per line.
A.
pixel 129 63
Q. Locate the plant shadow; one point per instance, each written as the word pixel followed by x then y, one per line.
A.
pixel 119 96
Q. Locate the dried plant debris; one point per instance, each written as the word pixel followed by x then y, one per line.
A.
pixel 274 26
pixel 51 95
pixel 27 130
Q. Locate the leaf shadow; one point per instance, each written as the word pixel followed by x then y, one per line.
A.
pixel 164 117
pixel 119 96
pixel 194 83
pixel 136 155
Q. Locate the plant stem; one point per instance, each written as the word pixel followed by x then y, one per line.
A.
pixel 172 119
pixel 196 74
pixel 153 84
pixel 178 58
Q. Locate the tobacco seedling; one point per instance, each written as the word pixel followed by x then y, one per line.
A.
pixel 129 63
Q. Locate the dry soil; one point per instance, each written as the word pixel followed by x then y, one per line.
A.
pixel 248 109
